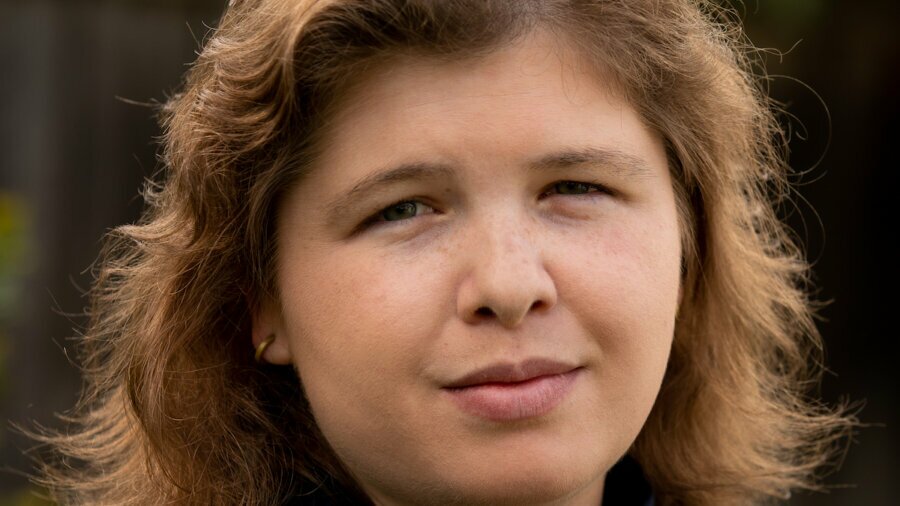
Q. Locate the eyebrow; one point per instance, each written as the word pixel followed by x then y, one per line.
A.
pixel 617 162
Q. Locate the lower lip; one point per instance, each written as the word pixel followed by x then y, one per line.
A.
pixel 506 402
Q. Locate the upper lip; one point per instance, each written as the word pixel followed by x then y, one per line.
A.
pixel 512 373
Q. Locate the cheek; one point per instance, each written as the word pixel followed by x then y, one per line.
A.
pixel 629 268
pixel 356 320
pixel 622 282
pixel 359 328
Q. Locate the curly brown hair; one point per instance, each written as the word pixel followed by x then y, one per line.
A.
pixel 176 411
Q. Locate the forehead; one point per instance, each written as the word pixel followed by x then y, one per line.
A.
pixel 535 90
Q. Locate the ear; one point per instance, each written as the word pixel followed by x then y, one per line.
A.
pixel 268 321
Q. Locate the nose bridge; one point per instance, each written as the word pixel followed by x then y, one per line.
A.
pixel 506 278
pixel 505 226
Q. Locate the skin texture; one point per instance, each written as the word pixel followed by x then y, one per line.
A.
pixel 495 263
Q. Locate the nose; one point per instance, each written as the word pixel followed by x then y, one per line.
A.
pixel 506 276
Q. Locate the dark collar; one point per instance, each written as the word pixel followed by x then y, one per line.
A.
pixel 626 485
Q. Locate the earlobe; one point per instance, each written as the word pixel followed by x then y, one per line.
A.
pixel 268 336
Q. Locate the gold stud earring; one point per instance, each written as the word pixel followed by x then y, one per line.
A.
pixel 262 347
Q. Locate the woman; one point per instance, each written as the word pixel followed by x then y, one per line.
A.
pixel 456 252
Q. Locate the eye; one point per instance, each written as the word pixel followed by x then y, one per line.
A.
pixel 397 212
pixel 575 188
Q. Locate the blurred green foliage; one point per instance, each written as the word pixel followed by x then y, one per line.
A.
pixel 14 225
pixel 14 264
pixel 25 498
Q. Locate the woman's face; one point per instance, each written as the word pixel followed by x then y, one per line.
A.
pixel 479 280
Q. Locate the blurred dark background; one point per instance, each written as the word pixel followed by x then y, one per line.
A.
pixel 73 156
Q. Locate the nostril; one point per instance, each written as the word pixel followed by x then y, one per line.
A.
pixel 484 311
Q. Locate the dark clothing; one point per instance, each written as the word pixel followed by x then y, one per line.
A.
pixel 625 486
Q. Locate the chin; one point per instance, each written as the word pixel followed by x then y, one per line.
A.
pixel 539 480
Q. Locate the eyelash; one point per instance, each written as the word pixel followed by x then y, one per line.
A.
pixel 375 219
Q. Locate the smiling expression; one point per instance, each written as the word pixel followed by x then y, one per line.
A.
pixel 479 279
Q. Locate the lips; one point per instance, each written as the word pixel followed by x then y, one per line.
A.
pixel 512 373
pixel 511 392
